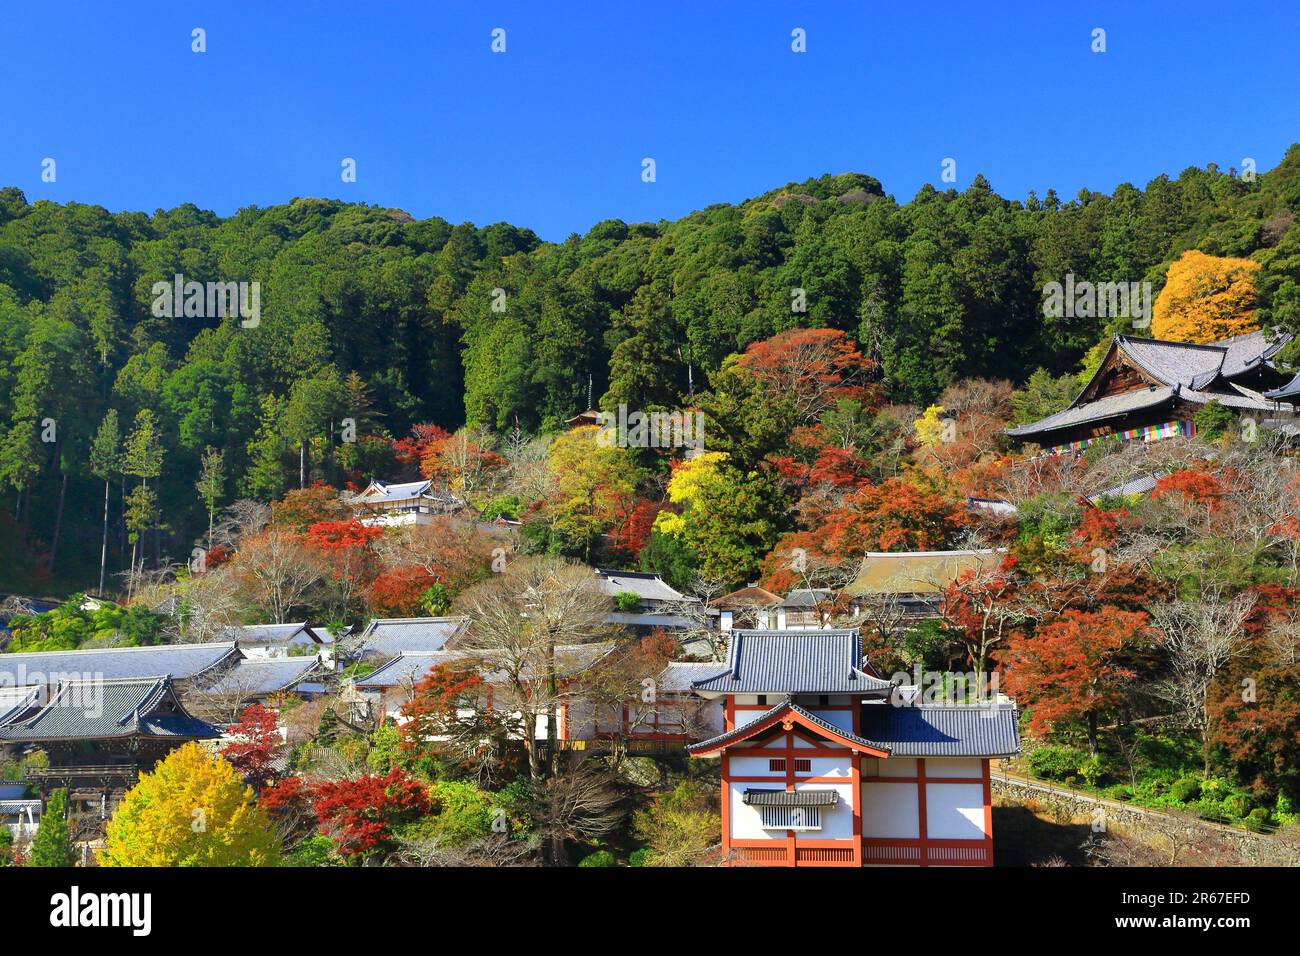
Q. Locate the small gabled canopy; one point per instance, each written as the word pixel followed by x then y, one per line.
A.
pixel 787 715
pixel 791 798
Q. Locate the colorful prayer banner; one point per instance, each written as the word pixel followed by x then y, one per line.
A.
pixel 1146 433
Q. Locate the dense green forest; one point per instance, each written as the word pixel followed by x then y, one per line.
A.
pixel 370 315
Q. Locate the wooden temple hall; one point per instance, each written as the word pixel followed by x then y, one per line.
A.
pixel 1150 389
pixel 100 734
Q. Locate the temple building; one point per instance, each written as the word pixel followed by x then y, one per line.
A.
pixel 385 504
pixel 1149 389
pixel 99 735
pixel 824 763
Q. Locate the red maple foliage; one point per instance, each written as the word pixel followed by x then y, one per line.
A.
pixel 634 533
pixel 1191 487
pixel 360 814
pixel 1075 668
pixel 813 368
pixel 341 535
pixel 412 450
pixel 436 703
pixel 397 592
pixel 255 743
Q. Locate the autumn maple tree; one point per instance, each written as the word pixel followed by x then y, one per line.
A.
pixel 254 745
pixel 1076 667
pixel 360 814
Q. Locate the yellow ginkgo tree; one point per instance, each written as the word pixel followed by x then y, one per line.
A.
pixel 1206 299
pixel 193 810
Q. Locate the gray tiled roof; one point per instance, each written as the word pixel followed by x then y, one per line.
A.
pixel 957 731
pixel 1134 486
pixel 280 633
pixel 178 661
pixel 101 710
pixel 793 662
pixel 1103 408
pixel 16 701
pixel 678 676
pixel 406 668
pixel 1174 363
pixel 791 798
pixel 807 597
pixel 410 666
pixel 1187 371
pixel 385 493
pixel 388 637
pixel 1246 352
pixel 907 731
pixel 648 587
pixel 257 676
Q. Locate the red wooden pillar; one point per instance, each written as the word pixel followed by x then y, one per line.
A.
pixel 922 826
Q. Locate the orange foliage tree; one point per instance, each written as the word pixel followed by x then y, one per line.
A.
pixel 1206 298
pixel 813 369
pixel 1075 668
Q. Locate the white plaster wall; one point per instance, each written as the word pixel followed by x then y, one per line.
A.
pixel 889 810
pixel 951 767
pixel 753 767
pixel 888 767
pixel 747 823
pixel 954 811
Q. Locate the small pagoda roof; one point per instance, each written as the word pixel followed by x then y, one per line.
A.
pixel 787 714
pixel 108 710
pixel 793 662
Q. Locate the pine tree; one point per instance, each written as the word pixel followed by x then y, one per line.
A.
pixel 53 843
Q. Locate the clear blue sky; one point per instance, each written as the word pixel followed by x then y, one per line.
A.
pixel 551 134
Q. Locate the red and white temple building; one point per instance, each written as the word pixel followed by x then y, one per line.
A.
pixel 826 764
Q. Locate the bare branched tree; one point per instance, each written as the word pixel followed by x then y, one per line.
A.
pixel 1201 637
pixel 518 619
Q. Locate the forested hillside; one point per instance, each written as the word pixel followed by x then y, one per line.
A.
pixel 370 315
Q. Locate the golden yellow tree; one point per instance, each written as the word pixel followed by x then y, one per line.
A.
pixel 192 810
pixel 1206 299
